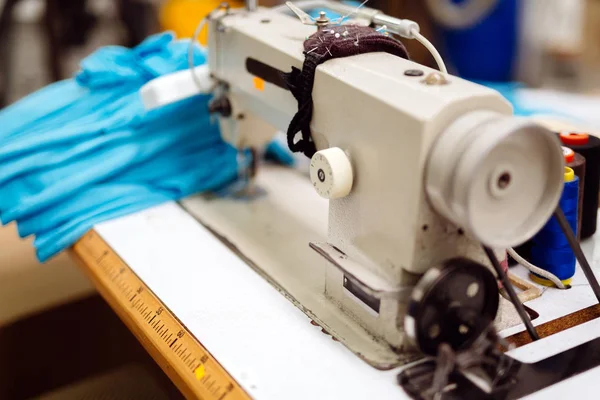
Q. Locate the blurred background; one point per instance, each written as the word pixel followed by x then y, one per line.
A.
pixel 544 55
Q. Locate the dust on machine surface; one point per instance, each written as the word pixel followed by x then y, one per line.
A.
pixel 429 180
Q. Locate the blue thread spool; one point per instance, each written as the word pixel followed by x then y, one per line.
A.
pixel 550 250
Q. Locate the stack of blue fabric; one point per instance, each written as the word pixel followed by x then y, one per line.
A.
pixel 84 150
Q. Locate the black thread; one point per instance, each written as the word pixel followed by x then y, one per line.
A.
pixel 591 152
pixel 326 44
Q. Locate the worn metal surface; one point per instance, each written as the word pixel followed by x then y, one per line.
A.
pixel 272 234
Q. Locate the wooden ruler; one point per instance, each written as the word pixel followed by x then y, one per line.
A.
pixel 187 363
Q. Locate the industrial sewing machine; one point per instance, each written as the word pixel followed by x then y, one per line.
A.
pixel 424 174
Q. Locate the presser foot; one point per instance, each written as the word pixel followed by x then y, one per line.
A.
pixel 244 188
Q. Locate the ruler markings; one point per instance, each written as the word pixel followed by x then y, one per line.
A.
pixel 158 330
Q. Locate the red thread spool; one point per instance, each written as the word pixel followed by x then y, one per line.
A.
pixel 577 162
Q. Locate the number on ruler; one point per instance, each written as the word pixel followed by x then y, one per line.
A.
pixel 163 325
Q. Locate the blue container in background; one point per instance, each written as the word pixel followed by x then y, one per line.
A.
pixel 486 51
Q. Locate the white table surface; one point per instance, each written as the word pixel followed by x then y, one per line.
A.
pixel 266 343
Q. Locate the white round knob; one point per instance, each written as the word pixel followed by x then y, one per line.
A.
pixel 331 173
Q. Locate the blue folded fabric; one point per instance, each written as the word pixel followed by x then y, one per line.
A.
pixel 85 150
pixel 69 233
pixel 208 170
pixel 139 143
pixel 82 151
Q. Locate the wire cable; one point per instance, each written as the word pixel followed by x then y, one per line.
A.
pixel 357 9
pixel 194 40
pixel 511 293
pixel 536 270
pixel 429 46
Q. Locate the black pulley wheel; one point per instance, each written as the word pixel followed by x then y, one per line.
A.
pixel 453 303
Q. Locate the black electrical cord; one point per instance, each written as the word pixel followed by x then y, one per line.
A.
pixel 574 244
pixel 511 293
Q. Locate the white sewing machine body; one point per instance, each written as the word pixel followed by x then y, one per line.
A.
pixel 386 122
pixel 378 240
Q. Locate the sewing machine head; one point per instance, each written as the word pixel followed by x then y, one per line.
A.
pixel 420 168
pixel 398 141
